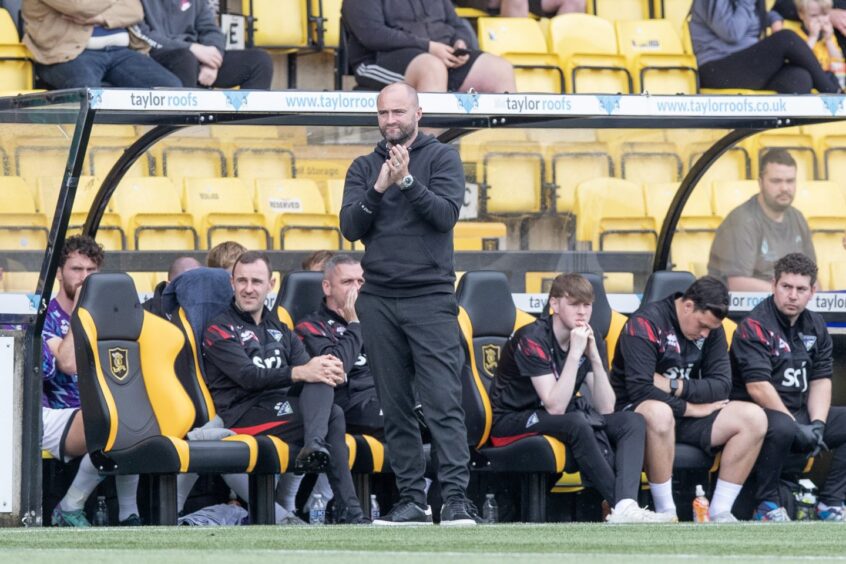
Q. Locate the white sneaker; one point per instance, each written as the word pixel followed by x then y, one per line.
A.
pixel 633 513
pixel 724 517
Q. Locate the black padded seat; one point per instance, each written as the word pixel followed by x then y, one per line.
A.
pixel 664 283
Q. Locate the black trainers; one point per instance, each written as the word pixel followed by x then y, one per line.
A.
pixel 313 457
pixel 350 516
pixel 132 521
pixel 474 513
pixel 406 513
pixel 454 513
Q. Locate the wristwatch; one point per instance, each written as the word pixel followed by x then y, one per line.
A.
pixel 406 182
pixel 674 387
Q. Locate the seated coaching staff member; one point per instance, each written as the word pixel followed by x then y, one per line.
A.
pixel 262 382
pixel 672 366
pixel 402 200
pixel 781 358
pixel 541 369
pixel 334 330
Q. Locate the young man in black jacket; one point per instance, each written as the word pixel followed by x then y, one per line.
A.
pixel 402 200
pixel 672 366
pixel 421 42
pixel 781 357
pixel 262 382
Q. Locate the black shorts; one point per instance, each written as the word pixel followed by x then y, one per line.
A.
pixel 390 67
pixel 536 9
pixel 696 431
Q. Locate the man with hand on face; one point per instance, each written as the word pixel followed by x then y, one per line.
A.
pixel 536 390
pixel 672 366
pixel 781 358
pixel 262 382
pixel 402 200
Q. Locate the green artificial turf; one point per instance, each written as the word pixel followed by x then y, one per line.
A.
pixel 538 544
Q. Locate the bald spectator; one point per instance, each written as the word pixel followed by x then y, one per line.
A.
pixel 180 265
pixel 421 42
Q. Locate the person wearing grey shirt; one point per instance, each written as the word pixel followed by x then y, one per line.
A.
pixel 761 230
pixel 732 52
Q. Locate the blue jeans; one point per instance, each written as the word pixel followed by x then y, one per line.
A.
pixel 115 66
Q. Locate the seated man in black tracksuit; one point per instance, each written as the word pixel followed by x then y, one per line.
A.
pixel 421 42
pixel 535 390
pixel 334 330
pixel 262 382
pixel 781 358
pixel 672 366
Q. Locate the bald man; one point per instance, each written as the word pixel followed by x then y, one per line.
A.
pixel 406 195
pixel 180 265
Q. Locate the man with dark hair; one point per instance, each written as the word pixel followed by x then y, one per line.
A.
pixel 672 366
pixel 262 381
pixel 536 390
pixel 63 434
pixel 403 200
pixel 756 233
pixel 184 37
pixel 781 358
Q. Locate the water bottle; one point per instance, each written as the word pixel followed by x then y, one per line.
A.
pixel 490 512
pixel 700 506
pixel 101 516
pixel 374 508
pixel 317 513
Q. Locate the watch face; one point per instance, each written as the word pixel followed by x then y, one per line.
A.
pixel 407 181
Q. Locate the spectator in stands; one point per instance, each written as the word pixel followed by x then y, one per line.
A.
pixel 416 41
pixel 224 255
pixel 63 435
pixel 732 52
pixel 540 8
pixel 781 356
pixel 672 366
pixel 184 37
pixel 334 330
pixel 756 233
pixel 316 260
pixel 180 265
pixel 262 381
pixel 541 370
pixel 788 9
pixel 87 44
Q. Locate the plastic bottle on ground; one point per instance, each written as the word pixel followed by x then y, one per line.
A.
pixel 700 506
pixel 490 512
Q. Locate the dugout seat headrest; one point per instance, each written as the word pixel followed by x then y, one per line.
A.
pixel 486 297
pixel 665 283
pixel 112 301
pixel 300 294
pixel 600 318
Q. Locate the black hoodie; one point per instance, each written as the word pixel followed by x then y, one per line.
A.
pixel 407 234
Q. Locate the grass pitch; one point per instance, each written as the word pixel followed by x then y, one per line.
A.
pixel 536 544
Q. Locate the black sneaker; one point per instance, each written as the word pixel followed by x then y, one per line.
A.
pixel 474 513
pixel 454 513
pixel 350 516
pixel 131 521
pixel 313 457
pixel 406 513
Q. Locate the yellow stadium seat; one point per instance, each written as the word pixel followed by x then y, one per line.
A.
pixel 522 42
pixel 110 232
pixel 193 158
pixel 480 236
pixel 151 210
pixel 833 150
pixel 611 215
pixel 674 10
pixel 20 281
pixel 21 226
pixel 253 159
pixel 512 180
pixel 296 214
pixel 650 162
pixel 615 10
pixel 223 211
pixel 144 281
pixel 471 147
pixel 39 156
pixel 656 58
pixel 326 162
pixel 272 31
pixel 537 73
pixel 728 194
pixel 16 71
pixel 734 164
pixel 837 275
pixel 828 246
pixel 326 14
pixel 587 50
pixel 539 282
pixel 103 153
pixel 574 163
pixel 334 195
pixel 226 133
pixel 823 205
